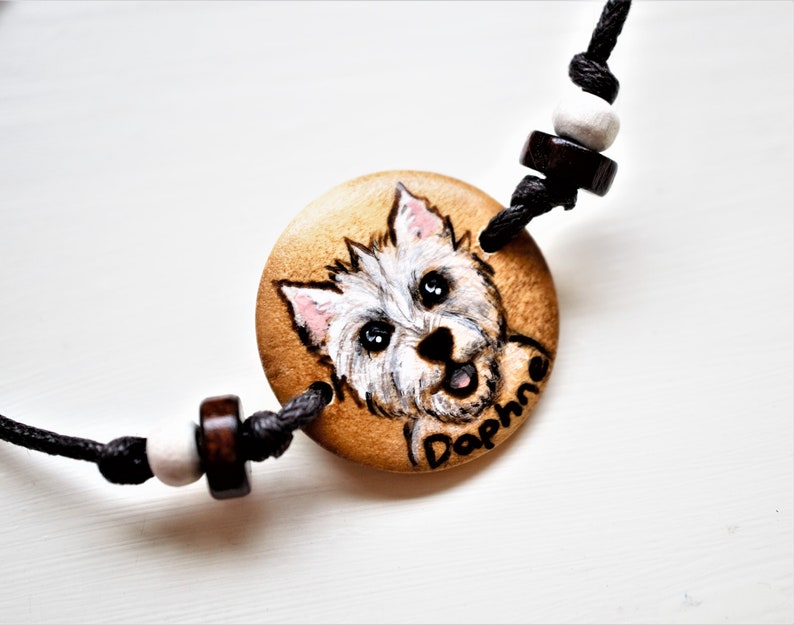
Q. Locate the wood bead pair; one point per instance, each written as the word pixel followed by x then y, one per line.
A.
pixel 180 452
pixel 587 125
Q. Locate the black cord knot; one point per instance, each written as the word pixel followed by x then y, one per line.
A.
pixel 533 196
pixel 264 436
pixel 594 77
pixel 540 195
pixel 589 70
pixel 268 434
pixel 123 461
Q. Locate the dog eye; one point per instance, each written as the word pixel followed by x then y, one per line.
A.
pixel 375 336
pixel 433 289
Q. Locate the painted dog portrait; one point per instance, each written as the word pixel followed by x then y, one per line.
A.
pixel 411 322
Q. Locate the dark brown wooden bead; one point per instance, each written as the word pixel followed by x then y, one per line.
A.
pixel 565 160
pixel 220 447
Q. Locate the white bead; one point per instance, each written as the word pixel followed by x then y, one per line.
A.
pixel 172 453
pixel 587 119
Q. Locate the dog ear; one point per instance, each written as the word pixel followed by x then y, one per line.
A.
pixel 312 309
pixel 412 219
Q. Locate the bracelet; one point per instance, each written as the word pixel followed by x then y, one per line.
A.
pixel 405 320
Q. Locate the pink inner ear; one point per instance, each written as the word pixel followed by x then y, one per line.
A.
pixel 425 222
pixel 316 317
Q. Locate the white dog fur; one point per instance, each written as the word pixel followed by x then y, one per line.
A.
pixel 381 283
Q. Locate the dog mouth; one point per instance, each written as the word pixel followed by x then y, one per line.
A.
pixel 461 380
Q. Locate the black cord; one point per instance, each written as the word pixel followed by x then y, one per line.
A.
pixel 268 434
pixel 123 460
pixel 535 196
pixel 49 442
pixel 589 69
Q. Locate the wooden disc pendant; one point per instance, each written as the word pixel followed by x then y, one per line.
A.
pixel 436 350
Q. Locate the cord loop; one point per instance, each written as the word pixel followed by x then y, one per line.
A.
pixel 594 77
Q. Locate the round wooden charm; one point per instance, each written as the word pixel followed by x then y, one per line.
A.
pixel 436 350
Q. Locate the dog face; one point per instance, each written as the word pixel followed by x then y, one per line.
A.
pixel 413 323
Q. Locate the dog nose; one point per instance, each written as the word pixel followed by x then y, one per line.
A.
pixel 437 346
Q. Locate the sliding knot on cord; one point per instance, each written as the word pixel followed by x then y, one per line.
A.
pixel 133 460
pixel 570 161
pixel 589 69
pixel 123 461
pixel 594 77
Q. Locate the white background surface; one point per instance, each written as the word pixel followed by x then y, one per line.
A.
pixel 151 153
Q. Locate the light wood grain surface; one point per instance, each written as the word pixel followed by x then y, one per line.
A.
pixel 150 154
